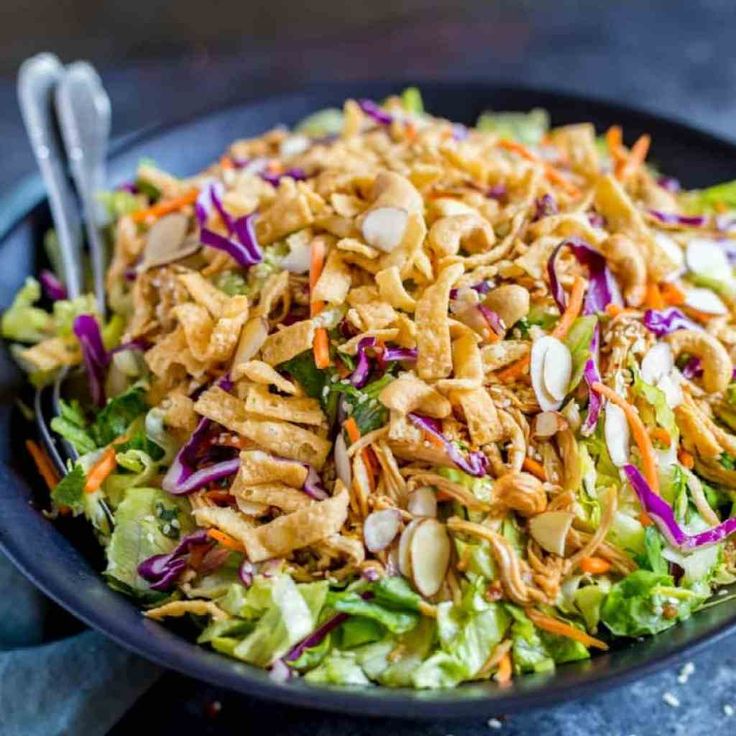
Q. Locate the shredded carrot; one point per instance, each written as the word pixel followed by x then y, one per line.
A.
pixel 595 565
pixel 100 470
pixel 653 298
pixel 226 162
pixel 316 264
pixel 641 437
pixel 697 314
pixel 686 458
pixel 225 540
pixel 351 427
pixel 561 628
pixel 550 171
pixel 535 468
pixel 218 495
pixel 572 310
pixel 613 310
pixel 661 435
pixel 635 159
pixel 672 294
pixel 503 674
pixel 321 347
pixel 433 439
pixel 514 371
pixel 43 463
pixel 165 206
pixel 645 519
pixel 614 142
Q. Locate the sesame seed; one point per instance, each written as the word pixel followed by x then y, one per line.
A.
pixel 685 673
pixel 494 723
pixel 671 699
pixel 728 710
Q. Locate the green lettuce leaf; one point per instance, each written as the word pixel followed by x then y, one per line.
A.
pixel 656 398
pixel 528 128
pixel 646 602
pixel 411 100
pixel 711 199
pixel 338 668
pixel 139 534
pixel 578 341
pixel 357 631
pixel 69 491
pixel 67 310
pixel 321 123
pixel 71 424
pixel 293 613
pixel 528 650
pixel 652 559
pixel 22 321
pixel 396 621
pixel 117 415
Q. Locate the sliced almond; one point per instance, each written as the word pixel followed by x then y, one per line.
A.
pixel 167 241
pixel 430 556
pixel 405 546
pixel 672 250
pixel 342 462
pixel 544 376
pixel 705 300
pixel 616 431
pixel 549 423
pixel 252 337
pixel 422 502
pixel 549 530
pixel 380 529
pixel 384 227
pixel 658 362
pixel 706 257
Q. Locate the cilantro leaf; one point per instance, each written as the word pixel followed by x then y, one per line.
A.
pixel 117 415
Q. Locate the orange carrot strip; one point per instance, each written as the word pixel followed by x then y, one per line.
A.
pixel 641 437
pixel 653 298
pixel 321 347
pixel 100 470
pixel 614 142
pixel 696 314
pixel 635 159
pixel 661 435
pixel 549 170
pixel 672 294
pixel 613 310
pixel 316 264
pixel 645 519
pixel 165 207
pixel 595 565
pixel 504 673
pixel 226 162
pixel 351 427
pixel 572 310
pixel 561 628
pixel 43 463
pixel 514 371
pixel 686 458
pixel 225 540
pixel 535 468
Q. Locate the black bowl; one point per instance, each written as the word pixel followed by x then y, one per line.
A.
pixel 64 563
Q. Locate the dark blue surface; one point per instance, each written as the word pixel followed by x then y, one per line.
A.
pixel 693 157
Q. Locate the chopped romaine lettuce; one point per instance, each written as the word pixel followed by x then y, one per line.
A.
pixel 119 203
pixel 22 321
pixel 396 621
pixel 69 492
pixel 411 100
pixel 357 631
pixel 525 127
pixel 578 341
pixel 712 199
pixel 117 415
pixel 321 123
pixel 71 424
pixel 338 668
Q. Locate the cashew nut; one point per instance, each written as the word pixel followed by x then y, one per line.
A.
pixel 628 265
pixel 509 302
pixel 394 200
pixel 717 365
pixel 521 492
pixel 471 231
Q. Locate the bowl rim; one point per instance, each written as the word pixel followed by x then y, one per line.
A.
pixel 391 702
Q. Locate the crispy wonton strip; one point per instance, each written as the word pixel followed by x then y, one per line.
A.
pixel 288 342
pixel 181 608
pixel 260 467
pixel 298 409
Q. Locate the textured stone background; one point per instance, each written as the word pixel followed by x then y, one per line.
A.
pixel 163 61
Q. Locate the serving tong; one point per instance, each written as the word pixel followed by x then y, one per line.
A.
pixel 66 112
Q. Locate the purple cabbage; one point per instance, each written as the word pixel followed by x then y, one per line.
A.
pixel 668 218
pixel 359 377
pixel 602 287
pixel 52 286
pixel 497 192
pixel 544 206
pixel 246 571
pixel 591 375
pixel 459 132
pixel 665 321
pixel 244 250
pixel 96 358
pixel 482 287
pixel 375 111
pixel 204 476
pixel 162 571
pixel 669 183
pixel 210 198
pixel 406 355
pixel 596 219
pixel 492 319
pixel 474 463
pixel 663 516
pixel 313 485
pixel 295 173
pixel 315 637
pixel 693 368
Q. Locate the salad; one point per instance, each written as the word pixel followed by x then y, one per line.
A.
pixel 387 400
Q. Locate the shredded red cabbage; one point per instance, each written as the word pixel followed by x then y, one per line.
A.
pixel 602 287
pixel 375 111
pixel 693 368
pixel 668 218
pixel 313 485
pixel 591 375
pixel 244 250
pixel 664 517
pixel 669 183
pixel 315 637
pixel 209 198
pixel 405 355
pixel 359 377
pixel 665 321
pixel 297 174
pixel 96 358
pixel 482 287
pixel 494 321
pixel 459 132
pixel 246 571
pixel 52 286
pixel 544 206
pixel 162 571
pixel 474 463
pixel 596 219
